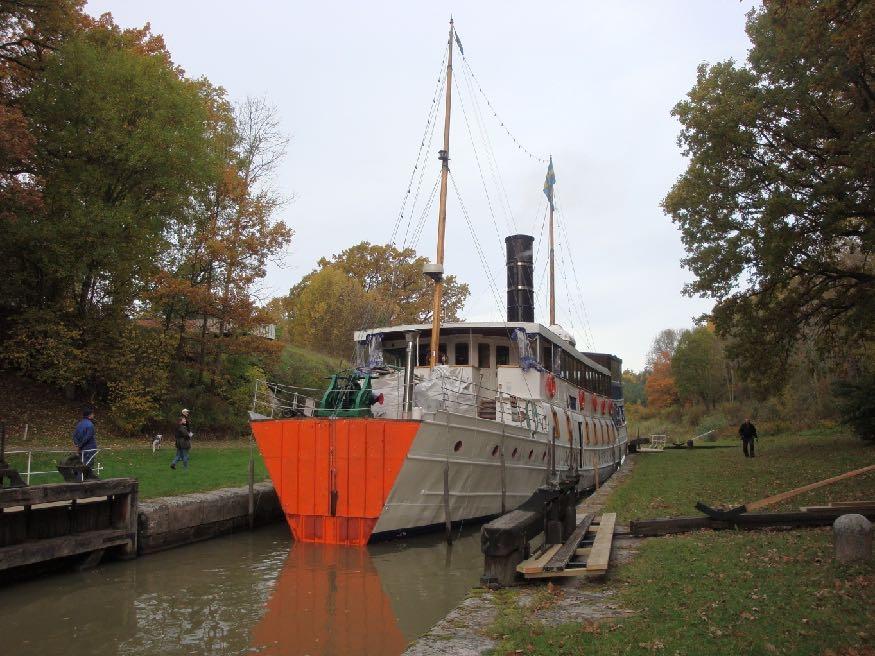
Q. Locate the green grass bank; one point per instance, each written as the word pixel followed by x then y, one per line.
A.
pixel 729 592
pixel 210 468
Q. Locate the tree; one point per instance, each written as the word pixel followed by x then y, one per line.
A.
pixel 633 387
pixel 664 343
pixel 326 311
pixel 396 276
pixel 777 205
pixel 366 285
pixel 30 31
pixel 119 142
pixel 699 367
pixel 660 386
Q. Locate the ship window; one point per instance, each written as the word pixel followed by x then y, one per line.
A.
pixel 531 453
pixel 495 451
pixel 483 356
pixel 461 353
pixel 457 445
pixel 424 356
pixel 395 356
pixel 515 451
pixel 502 355
pixel 572 402
pixel 547 358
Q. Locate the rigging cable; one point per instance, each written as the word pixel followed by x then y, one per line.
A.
pixel 489 277
pixel 419 156
pixel 480 169
pixel 420 224
pixel 491 160
pixel 579 295
pixel 422 163
pixel 513 138
pixel 419 165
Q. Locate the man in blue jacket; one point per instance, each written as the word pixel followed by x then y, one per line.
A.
pixel 83 438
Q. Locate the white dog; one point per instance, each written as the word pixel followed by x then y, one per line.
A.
pixel 156 443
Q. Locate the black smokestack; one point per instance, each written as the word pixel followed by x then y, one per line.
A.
pixel 520 279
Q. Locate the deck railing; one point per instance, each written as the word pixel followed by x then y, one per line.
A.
pixel 26 468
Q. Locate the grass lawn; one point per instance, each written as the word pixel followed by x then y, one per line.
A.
pixel 209 468
pixel 670 483
pixel 727 592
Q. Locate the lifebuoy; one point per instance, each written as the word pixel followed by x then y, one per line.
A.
pixel 550 384
pixel 595 403
pixel 581 400
pixel 604 406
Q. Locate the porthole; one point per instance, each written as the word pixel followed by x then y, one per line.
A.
pixel 495 451
pixel 515 451
pixel 457 446
pixel 531 453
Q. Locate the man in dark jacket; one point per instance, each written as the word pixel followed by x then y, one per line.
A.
pixel 748 433
pixel 84 439
pixel 183 440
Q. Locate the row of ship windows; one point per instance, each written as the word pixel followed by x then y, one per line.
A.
pixel 458 447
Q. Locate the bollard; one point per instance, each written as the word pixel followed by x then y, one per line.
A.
pixel 853 539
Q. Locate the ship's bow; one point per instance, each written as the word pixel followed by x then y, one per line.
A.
pixel 333 476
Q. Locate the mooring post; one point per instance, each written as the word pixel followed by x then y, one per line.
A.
pixel 251 485
pixel 852 534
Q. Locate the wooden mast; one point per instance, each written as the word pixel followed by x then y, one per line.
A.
pixel 444 156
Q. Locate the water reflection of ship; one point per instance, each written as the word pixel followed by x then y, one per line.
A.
pixel 330 599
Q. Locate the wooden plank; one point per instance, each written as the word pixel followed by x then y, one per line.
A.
pixel 783 496
pixel 855 504
pixel 748 521
pixel 848 507
pixel 560 558
pixel 536 564
pixel 36 551
pixel 571 572
pixel 29 496
pixel 601 548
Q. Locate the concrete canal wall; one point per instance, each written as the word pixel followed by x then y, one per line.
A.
pixel 168 522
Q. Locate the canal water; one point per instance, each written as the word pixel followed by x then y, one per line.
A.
pixel 251 593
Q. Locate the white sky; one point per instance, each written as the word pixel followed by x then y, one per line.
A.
pixel 591 82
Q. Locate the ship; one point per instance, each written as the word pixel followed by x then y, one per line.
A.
pixel 444 423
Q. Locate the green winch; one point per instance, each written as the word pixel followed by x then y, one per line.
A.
pixel 348 395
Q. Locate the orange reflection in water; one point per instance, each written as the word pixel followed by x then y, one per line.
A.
pixel 328 600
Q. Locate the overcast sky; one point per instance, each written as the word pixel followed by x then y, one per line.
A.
pixel 591 83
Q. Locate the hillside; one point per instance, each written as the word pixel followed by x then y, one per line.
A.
pixel 50 416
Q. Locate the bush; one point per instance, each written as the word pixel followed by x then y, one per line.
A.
pixel 712 422
pixel 44 348
pixel 856 401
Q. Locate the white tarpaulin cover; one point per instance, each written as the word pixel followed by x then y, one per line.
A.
pixel 449 388
pixel 391 386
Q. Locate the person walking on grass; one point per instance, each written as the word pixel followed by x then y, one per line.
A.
pixel 183 440
pixel 748 433
pixel 85 440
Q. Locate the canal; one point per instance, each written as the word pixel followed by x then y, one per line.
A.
pixel 250 593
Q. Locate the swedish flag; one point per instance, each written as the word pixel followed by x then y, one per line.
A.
pixel 549 182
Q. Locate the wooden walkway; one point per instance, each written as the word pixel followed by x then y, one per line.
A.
pixel 587 552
